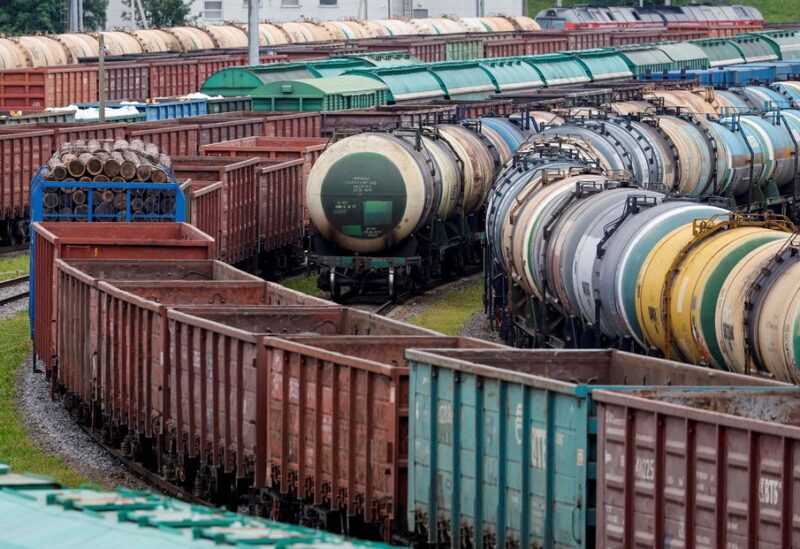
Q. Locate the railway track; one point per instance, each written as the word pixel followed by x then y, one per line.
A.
pixel 16 296
pixel 390 305
pixel 13 250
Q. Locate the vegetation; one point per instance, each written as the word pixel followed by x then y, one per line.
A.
pixel 160 13
pixel 306 284
pixel 451 311
pixel 774 11
pixel 24 17
pixel 15 266
pixel 16 447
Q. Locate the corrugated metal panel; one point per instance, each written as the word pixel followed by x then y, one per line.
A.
pixel 464 80
pixel 685 55
pixel 558 69
pixel 709 469
pixel 604 64
pixel 512 74
pixel 642 60
pixel 754 48
pixel 503 443
pixel 407 84
pixel 720 52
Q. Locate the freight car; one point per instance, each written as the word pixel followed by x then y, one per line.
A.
pixel 619 17
pixel 25 148
pixel 335 84
pixel 39 511
pixel 396 210
pixel 63 49
pixel 243 393
pixel 587 251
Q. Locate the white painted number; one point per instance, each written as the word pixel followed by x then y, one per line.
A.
pixel 645 469
pixel 769 491
pixel 539 448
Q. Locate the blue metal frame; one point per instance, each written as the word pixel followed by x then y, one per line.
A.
pixel 39 186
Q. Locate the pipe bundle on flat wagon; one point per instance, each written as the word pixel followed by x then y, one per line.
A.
pixel 587 250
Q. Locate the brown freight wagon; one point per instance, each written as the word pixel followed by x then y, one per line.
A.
pixel 282 216
pixel 64 132
pixel 226 130
pixel 239 223
pixel 172 138
pixel 259 209
pixel 113 346
pixel 169 78
pixel 235 334
pixel 21 155
pixel 307 149
pixel 43 87
pixel 99 240
pixel 204 206
pixel 708 469
pixel 333 424
pixel 296 389
pixel 304 124
pixel 126 81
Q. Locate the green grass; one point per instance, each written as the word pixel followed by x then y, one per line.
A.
pixel 15 266
pixel 451 312
pixel 16 447
pixel 774 11
pixel 306 284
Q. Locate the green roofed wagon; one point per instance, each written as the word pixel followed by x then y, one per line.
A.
pixel 646 59
pixel 603 63
pixel 233 81
pixel 755 48
pixel 785 43
pixel 558 69
pixel 511 74
pixel 323 94
pixel 685 55
pixel 36 512
pixel 720 51
pixel 414 83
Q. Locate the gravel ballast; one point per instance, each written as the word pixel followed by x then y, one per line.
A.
pixel 49 424
pixel 15 307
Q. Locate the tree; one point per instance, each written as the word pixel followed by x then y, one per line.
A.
pixel 94 14
pixel 19 17
pixel 160 13
pixel 25 17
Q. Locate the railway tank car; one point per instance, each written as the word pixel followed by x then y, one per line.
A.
pixel 613 17
pixel 63 49
pixel 395 210
pixel 587 248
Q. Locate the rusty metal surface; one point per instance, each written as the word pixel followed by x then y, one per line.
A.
pixel 561 370
pixel 104 241
pixel 333 421
pixel 708 469
pixel 112 336
pixel 239 197
pixel 282 213
pixel 330 320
